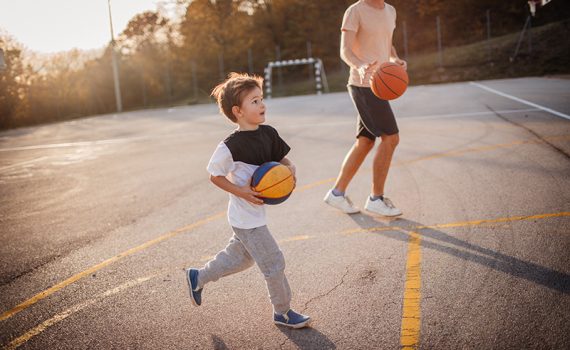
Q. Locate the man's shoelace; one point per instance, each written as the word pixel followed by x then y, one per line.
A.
pixel 389 203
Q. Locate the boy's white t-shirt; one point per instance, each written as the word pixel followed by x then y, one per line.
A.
pixel 237 158
pixel 374 29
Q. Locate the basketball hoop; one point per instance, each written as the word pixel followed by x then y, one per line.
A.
pixel 534 4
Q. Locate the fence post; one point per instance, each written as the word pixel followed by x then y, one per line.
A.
pixel 279 72
pixel 221 65
pixel 194 81
pixel 250 60
pixel 488 15
pixel 439 45
pixel 405 41
pixel 310 55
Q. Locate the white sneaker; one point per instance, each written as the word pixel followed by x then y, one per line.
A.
pixel 342 203
pixel 383 207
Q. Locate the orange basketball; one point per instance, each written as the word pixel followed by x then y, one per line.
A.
pixel 389 81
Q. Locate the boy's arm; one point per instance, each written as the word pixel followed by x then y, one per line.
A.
pixel 244 192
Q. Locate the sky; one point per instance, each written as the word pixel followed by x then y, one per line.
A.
pixel 48 26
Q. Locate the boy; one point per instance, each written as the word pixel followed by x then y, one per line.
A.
pixel 366 42
pixel 235 159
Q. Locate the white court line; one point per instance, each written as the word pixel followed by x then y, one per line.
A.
pixel 416 117
pixel 452 115
pixel 565 116
pixel 348 121
pixel 22 163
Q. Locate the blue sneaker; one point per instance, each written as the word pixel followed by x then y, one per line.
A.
pixel 192 279
pixel 291 319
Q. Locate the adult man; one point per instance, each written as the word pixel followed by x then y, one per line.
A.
pixel 366 42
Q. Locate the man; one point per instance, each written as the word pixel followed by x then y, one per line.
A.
pixel 366 42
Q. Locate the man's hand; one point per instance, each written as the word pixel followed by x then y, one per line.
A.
pixel 402 63
pixel 249 195
pixel 366 69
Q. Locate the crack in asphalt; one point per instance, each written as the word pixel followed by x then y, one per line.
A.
pixel 534 133
pixel 327 293
pixel 313 299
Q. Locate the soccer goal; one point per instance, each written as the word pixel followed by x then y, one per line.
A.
pixel 320 75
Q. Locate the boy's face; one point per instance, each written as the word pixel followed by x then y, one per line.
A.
pixel 251 113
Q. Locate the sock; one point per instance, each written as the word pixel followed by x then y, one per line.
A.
pixel 337 193
pixel 375 198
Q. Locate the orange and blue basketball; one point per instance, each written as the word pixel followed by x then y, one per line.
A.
pixel 274 182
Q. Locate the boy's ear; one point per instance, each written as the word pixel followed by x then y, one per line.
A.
pixel 236 111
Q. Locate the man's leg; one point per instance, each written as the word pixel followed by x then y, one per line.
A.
pixel 352 162
pixel 382 161
pixel 377 203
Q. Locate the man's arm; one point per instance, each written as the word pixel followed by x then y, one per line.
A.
pixel 347 39
pixel 397 59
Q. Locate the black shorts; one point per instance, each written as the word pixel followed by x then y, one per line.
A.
pixel 375 116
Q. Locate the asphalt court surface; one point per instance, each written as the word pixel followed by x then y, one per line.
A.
pixel 99 217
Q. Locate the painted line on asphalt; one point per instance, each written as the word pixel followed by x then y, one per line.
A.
pixel 467 114
pixel 26 304
pixel 42 295
pixel 528 103
pixel 411 311
pixel 65 314
pixel 32 161
pixel 145 138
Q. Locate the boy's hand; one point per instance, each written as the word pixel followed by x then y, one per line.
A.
pixel 249 195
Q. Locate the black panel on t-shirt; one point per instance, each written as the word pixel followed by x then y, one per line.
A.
pixel 257 146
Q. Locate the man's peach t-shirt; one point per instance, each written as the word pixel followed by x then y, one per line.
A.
pixel 374 28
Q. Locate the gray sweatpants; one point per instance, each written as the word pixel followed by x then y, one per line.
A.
pixel 246 247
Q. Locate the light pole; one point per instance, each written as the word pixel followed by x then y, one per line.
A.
pixel 115 65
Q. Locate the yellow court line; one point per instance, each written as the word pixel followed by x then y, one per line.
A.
pixel 411 311
pixel 295 238
pixel 91 270
pixel 458 224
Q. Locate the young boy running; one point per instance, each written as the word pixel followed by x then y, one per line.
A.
pixel 235 159
pixel 366 42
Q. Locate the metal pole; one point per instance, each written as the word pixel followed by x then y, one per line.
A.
pixel 221 65
pixel 279 72
pixel 521 36
pixel 309 55
pixel 194 81
pixel 250 60
pixel 405 41
pixel 530 34
pixel 439 46
pixel 115 65
pixel 489 34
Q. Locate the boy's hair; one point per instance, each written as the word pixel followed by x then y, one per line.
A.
pixel 231 92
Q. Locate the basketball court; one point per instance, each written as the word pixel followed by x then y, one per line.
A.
pixel 101 215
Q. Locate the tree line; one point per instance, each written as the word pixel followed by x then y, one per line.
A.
pixel 164 61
